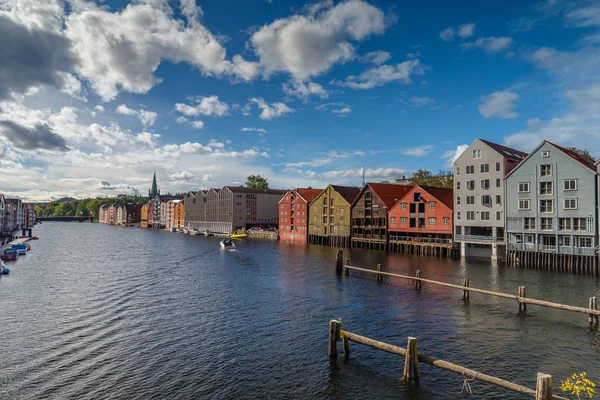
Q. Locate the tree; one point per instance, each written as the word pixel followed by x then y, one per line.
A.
pixel 257 182
pixel 583 152
pixel 443 179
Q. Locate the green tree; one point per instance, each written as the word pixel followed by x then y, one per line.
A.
pixel 257 182
pixel 583 152
pixel 39 211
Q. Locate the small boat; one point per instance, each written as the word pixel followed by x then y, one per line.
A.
pixel 173 230
pixel 10 255
pixel 208 233
pixel 21 248
pixel 227 244
pixel 238 235
pixel 3 269
pixel 35 238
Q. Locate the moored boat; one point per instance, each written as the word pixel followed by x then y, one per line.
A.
pixel 10 255
pixel 21 248
pixel 238 235
pixel 227 244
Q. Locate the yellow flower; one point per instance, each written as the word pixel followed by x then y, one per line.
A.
pixel 579 384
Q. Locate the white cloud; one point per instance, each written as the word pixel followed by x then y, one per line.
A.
pixel 209 106
pixel 181 120
pixel 420 151
pixel 342 112
pixel 207 177
pixel 452 155
pixel 123 109
pixel 197 124
pixel 378 76
pixel 261 130
pixel 376 57
pixel 328 159
pixel 466 30
pixel 182 176
pixel 421 101
pixel 499 105
pixel 303 90
pixel 447 34
pixel 147 118
pixel 490 44
pixel 99 108
pixel 196 148
pixel 147 138
pixel 216 145
pixel 271 111
pixel 309 45
pixel 584 17
pixel 339 175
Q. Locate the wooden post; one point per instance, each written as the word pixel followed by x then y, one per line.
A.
pixel 334 332
pixel 339 261
pixel 379 276
pixel 418 282
pixel 411 362
pixel 346 346
pixel 522 305
pixel 347 271
pixel 593 306
pixel 466 292
pixel 543 388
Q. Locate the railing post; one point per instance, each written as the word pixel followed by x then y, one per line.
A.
pixel 411 362
pixel 521 294
pixel 543 388
pixel 466 292
pixel 593 306
pixel 334 336
pixel 346 270
pixel 379 276
pixel 339 262
pixel 418 282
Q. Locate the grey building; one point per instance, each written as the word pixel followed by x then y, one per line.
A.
pixel 479 197
pixel 231 208
pixel 551 203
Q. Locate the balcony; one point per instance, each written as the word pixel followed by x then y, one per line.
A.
pixel 579 251
pixel 478 238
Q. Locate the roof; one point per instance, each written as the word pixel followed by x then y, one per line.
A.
pixel 243 189
pixel 389 193
pixel 580 158
pixel 349 193
pixel 309 194
pixel 507 152
pixel 445 195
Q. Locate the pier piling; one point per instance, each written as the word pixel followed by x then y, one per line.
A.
pixel 543 388
pixel 520 296
pixel 466 292
pixel 379 276
pixel 418 280
pixel 411 362
pixel 593 306
pixel 334 336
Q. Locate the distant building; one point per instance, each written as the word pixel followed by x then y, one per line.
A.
pixel 404 181
pixel 179 214
pixel 16 214
pixel 112 214
pixel 330 216
pixel 294 214
pixel 103 214
pixel 145 209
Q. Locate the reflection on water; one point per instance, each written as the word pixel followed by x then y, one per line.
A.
pixel 108 312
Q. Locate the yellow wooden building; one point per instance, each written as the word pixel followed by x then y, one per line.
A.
pixel 330 216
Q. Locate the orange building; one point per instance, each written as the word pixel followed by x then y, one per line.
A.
pixel 179 214
pixel 144 215
pixel 424 214
pixel 293 214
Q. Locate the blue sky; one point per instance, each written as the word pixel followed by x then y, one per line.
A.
pixel 95 97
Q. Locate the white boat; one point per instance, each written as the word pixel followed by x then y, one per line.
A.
pixel 227 244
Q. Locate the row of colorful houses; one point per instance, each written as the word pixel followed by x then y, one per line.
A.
pixel 14 216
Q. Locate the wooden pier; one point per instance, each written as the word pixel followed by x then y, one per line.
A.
pixel 547 261
pixel 412 358
pixel 423 246
pixel 332 241
pixel 369 244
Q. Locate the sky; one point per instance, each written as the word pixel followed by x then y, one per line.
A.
pixel 97 96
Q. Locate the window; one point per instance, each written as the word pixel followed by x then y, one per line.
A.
pixel 485 215
pixel 546 224
pixel 523 187
pixel 485 183
pixel 477 153
pixel 431 204
pixel 546 170
pixel 470 185
pixel 403 220
pixel 458 215
pixel 585 242
pixel 564 224
pixel 486 200
pixel 579 224
pixel 470 169
pixel 545 188
pixel 457 185
pixel 546 206
pixel 431 221
pixel 529 223
pixel 393 220
pixel 457 170
pixel 570 184
pixel 497 167
pixel 498 215
pixel 445 220
pixel 470 199
pixel 403 206
pixel 324 201
pixel 570 204
pixel 546 153
pixel 566 240
pixel 498 199
pixel 470 215
pixel 458 200
pixel 498 182
pixel 341 211
pixel 484 168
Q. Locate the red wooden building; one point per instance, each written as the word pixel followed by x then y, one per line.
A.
pixel 293 214
pixel 369 214
pixel 423 214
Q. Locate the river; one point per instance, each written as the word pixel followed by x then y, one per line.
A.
pixel 96 312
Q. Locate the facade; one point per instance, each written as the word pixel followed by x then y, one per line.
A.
pixel 330 216
pixel 479 197
pixel 231 208
pixel 170 213
pixel 16 215
pixel 112 214
pixel 294 214
pixel 179 214
pixel 103 214
pixel 551 205
pixel 369 214
pixel 144 215
pixel 424 214
pixel 121 213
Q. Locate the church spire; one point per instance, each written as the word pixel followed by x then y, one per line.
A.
pixel 154 191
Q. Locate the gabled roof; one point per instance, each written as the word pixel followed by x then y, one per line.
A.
pixel 309 194
pixel 389 193
pixel 444 195
pixel 349 193
pixel 506 152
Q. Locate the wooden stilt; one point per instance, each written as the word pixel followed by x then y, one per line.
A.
pixel 334 333
pixel 543 388
pixel 521 294
pixel 418 282
pixel 379 276
pixel 466 292
pixel 411 362
pixel 593 306
pixel 347 271
pixel 339 261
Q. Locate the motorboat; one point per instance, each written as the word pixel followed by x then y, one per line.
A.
pixel 21 248
pixel 3 269
pixel 238 235
pixel 227 244
pixel 10 255
pixel 208 233
pixel 173 230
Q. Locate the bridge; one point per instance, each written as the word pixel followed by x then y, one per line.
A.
pixel 67 219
